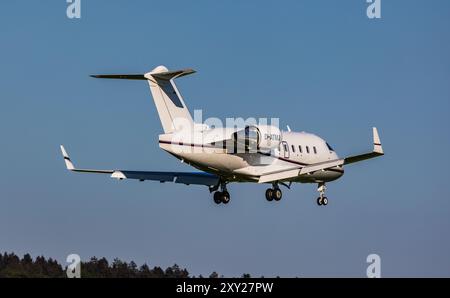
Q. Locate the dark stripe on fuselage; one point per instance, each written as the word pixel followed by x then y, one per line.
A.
pixel 259 152
pixel 191 145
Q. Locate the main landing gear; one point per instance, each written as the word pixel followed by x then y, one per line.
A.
pixel 274 193
pixel 222 196
pixel 322 200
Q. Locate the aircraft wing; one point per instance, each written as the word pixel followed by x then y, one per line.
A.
pixel 377 150
pixel 292 173
pixel 199 178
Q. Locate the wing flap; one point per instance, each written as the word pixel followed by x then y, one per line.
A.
pixel 279 176
pixel 321 166
pixel 288 174
pixel 198 178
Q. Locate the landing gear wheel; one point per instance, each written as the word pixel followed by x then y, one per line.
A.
pixel 225 197
pixel 217 197
pixel 277 194
pixel 269 194
pixel 322 200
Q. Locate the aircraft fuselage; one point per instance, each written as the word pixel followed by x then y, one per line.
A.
pixel 295 149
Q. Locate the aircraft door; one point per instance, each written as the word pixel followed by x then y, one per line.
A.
pixel 284 150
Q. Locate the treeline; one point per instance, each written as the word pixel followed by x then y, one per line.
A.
pixel 27 267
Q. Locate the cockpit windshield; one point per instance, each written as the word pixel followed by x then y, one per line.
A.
pixel 329 147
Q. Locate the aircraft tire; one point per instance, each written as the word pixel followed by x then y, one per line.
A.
pixel 217 197
pixel 319 201
pixel 269 194
pixel 225 197
pixel 277 194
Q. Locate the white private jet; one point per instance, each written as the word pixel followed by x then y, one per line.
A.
pixel 254 153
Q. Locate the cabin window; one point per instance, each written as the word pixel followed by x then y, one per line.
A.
pixel 300 148
pixel 329 147
pixel 293 148
pixel 315 150
pixel 307 149
pixel 286 148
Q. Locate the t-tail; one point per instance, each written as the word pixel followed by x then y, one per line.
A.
pixel 169 103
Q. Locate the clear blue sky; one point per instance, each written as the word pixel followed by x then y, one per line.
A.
pixel 321 66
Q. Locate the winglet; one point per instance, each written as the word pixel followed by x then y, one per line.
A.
pixel 69 164
pixel 376 142
pixel 377 150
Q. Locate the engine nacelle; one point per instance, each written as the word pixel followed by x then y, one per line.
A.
pixel 257 138
pixel 270 137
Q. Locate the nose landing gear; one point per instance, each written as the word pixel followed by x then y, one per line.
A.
pixel 322 200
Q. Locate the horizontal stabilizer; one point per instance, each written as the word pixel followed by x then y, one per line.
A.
pixel 168 100
pixel 168 75
pixel 164 75
pixel 121 76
